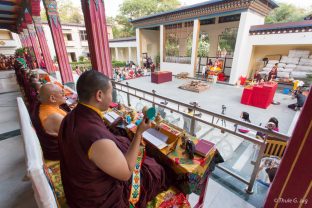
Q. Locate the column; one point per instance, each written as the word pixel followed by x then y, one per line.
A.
pixel 59 43
pixel 116 54
pixel 243 48
pixel 33 39
pixel 95 21
pixel 139 46
pixel 43 44
pixel 162 44
pixel 129 54
pixel 293 181
pixel 196 29
pixel 21 36
pixel 26 38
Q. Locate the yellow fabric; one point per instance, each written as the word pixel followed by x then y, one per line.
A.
pixel 46 110
pixel 215 69
pixel 100 113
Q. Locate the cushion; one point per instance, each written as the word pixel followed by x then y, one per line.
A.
pixel 287 70
pixel 170 198
pixel 269 65
pixel 305 62
pixel 289 60
pixel 32 146
pixel 304 68
pixel 42 190
pixel 266 69
pixel 264 72
pixel 299 74
pixel 281 65
pixel 298 53
pixel 284 59
pixel 52 171
pixel 283 74
pixel 291 66
pixel 273 62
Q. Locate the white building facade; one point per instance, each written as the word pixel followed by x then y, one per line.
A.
pixel 9 42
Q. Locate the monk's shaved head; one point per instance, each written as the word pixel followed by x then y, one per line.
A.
pixel 89 83
pixel 46 91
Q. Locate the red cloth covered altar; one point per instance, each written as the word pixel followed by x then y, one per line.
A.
pixel 161 77
pixel 260 96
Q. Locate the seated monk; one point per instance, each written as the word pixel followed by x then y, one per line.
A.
pixel 216 68
pixel 96 165
pixel 47 119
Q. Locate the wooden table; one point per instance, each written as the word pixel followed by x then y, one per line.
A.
pixel 161 77
pixel 192 175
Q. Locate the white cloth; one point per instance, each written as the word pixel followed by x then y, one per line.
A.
pixel 204 70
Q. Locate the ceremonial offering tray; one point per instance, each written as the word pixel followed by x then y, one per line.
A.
pixel 173 133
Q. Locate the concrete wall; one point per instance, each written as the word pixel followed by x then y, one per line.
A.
pixel 243 47
pixel 150 42
pixel 214 31
pixel 9 42
pixel 177 68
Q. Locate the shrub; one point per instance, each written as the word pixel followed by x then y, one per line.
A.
pixel 118 63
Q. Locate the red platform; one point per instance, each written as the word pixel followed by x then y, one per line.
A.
pixel 260 96
pixel 161 77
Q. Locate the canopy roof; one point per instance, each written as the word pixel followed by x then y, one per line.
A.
pixel 205 9
pixel 9 14
pixel 12 13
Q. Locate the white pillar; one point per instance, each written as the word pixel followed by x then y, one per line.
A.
pixel 139 46
pixel 161 48
pixel 243 48
pixel 129 54
pixel 116 54
pixel 196 29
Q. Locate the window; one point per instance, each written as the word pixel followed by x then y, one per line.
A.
pixel 83 35
pixel 208 21
pixel 231 18
pixel 69 37
pixel 73 57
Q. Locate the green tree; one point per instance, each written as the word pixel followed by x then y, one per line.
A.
pixel 132 9
pixel 68 12
pixel 286 13
pixel 203 45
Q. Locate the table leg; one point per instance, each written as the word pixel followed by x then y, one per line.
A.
pixel 200 203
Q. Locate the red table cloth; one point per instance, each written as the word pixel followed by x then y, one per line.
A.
pixel 260 96
pixel 161 77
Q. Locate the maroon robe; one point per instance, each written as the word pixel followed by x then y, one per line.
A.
pixel 48 143
pixel 87 186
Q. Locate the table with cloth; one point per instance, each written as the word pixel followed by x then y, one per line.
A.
pixel 260 95
pixel 191 174
pixel 161 77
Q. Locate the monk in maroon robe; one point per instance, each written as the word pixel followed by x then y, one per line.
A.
pixel 96 165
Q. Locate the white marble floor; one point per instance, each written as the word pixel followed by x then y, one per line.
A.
pixel 14 191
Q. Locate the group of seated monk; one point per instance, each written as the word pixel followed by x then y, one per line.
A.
pixel 96 165
pixel 6 62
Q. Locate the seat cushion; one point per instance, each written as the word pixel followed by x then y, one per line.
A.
pixel 53 172
pixel 170 198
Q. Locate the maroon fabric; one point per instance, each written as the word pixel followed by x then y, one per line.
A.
pixel 85 185
pixel 49 144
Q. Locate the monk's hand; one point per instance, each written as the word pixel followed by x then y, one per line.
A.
pixel 144 125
